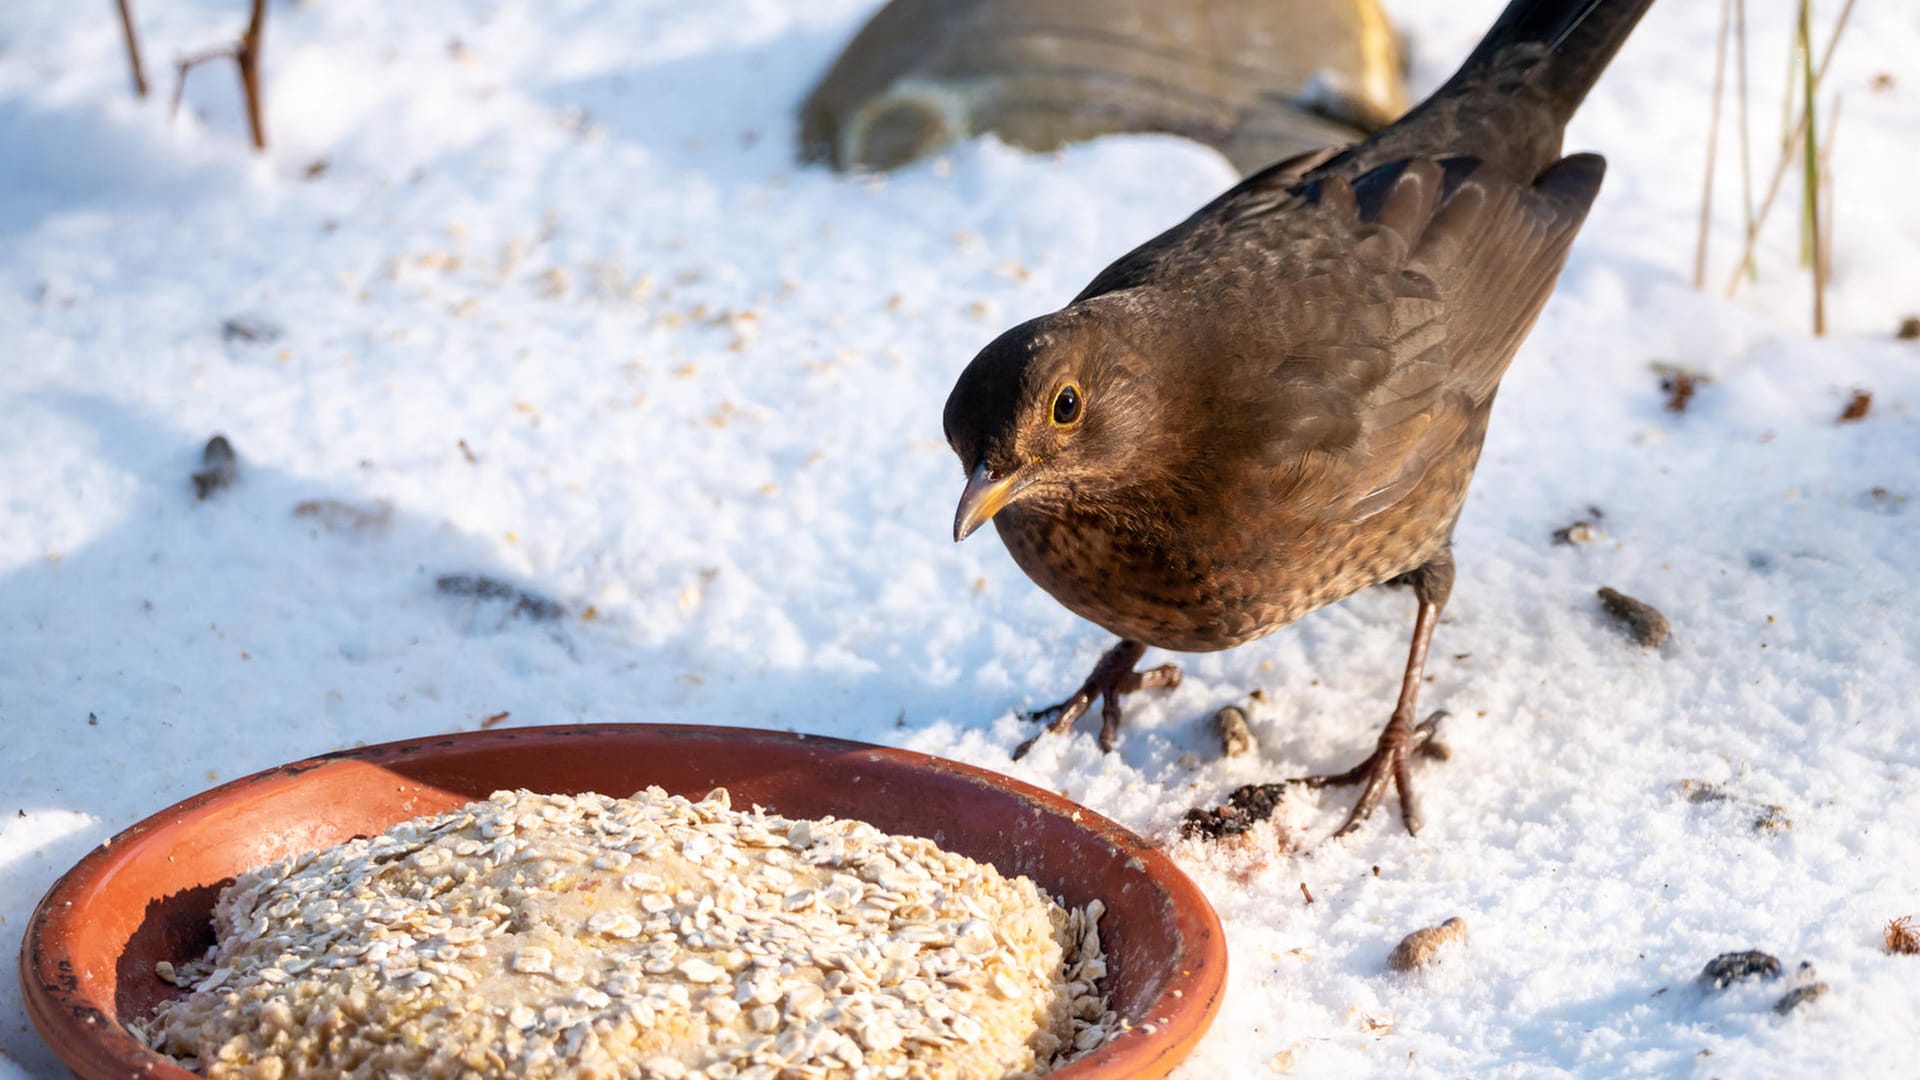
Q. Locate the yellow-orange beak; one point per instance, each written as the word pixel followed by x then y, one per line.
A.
pixel 985 496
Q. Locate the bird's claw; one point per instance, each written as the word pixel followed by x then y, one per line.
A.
pixel 1112 677
pixel 1388 764
pixel 1057 718
pixel 1060 717
pixel 1250 804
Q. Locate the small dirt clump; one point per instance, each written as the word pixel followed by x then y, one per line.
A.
pixel 1729 968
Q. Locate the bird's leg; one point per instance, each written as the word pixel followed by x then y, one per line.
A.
pixel 1112 677
pixel 1389 761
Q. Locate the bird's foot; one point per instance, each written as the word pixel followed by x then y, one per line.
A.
pixel 1388 764
pixel 1112 676
pixel 1254 803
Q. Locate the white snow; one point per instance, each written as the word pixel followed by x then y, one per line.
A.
pixel 702 388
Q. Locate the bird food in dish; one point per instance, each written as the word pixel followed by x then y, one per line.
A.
pixel 549 935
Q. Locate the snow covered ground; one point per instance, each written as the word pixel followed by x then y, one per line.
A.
pixel 560 308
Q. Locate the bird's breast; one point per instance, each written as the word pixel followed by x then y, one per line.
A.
pixel 1149 585
pixel 1212 581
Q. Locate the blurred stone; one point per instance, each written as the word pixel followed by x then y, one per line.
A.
pixel 1258 80
pixel 219 467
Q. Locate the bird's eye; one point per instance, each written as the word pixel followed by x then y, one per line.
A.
pixel 1066 405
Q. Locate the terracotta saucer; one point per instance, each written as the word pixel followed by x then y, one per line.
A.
pixel 147 895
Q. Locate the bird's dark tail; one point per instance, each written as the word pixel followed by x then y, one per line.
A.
pixel 1561 45
pixel 1510 101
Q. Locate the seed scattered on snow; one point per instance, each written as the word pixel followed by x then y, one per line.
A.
pixel 1230 724
pixel 1641 620
pixel 1799 996
pixel 1419 948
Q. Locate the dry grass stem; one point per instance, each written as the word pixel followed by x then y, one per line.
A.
pixel 1810 168
pixel 1746 129
pixel 1713 144
pixel 1823 255
pixel 1786 159
pixel 1902 938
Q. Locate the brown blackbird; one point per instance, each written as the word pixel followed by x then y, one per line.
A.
pixel 1279 401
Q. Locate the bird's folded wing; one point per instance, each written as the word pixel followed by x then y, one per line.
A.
pixel 1394 352
pixel 1273 186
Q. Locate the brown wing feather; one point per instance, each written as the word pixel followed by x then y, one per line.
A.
pixel 1148 263
pixel 1495 249
pixel 1394 357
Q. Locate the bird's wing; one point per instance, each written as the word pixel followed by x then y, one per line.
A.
pixel 1406 293
pixel 1148 262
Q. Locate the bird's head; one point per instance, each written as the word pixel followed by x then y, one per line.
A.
pixel 1053 410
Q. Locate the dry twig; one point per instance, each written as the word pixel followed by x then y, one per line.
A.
pixel 133 48
pixel 249 61
pixel 245 55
